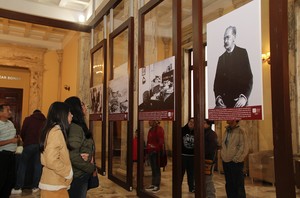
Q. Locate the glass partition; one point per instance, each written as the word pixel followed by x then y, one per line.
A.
pixel 156 36
pixel 121 13
pixel 120 104
pixel 119 149
pixel 259 132
pixel 97 108
pixel 96 126
pixel 99 33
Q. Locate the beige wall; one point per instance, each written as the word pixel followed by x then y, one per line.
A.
pixel 52 90
pixel 265 134
pixel 50 82
pixel 70 67
pixel 21 78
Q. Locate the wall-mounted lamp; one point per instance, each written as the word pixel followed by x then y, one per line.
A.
pixel 67 87
pixel 266 58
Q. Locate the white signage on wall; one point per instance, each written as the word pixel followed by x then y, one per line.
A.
pixel 9 77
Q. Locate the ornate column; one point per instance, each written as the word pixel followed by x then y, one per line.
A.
pixel 293 37
pixel 59 83
pixel 84 67
pixel 36 84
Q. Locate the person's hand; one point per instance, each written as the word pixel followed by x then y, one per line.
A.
pixel 85 156
pixel 241 101
pixel 220 102
pixel 92 160
pixel 15 139
pixel 151 146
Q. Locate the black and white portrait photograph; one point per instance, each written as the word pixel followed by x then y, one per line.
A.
pixel 234 62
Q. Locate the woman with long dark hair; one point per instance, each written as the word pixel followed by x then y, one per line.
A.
pixel 57 169
pixel 82 149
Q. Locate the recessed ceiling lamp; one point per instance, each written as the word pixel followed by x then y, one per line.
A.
pixel 81 18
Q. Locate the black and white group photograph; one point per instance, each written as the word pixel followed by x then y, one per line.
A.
pixel 156 86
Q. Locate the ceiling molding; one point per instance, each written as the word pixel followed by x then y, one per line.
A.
pixel 45 8
pixel 44 21
pixel 30 42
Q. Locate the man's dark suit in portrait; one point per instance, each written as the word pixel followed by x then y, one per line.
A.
pixel 234 79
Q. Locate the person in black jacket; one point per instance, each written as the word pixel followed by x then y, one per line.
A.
pixel 234 79
pixel 211 146
pixel 188 153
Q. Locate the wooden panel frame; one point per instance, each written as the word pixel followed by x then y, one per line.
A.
pixel 199 96
pixel 103 44
pixel 141 59
pixel 176 138
pixel 127 25
pixel 281 116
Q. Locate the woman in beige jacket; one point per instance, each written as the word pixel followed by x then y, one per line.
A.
pixel 57 170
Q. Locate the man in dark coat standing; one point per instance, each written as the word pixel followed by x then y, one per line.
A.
pixel 30 134
pixel 211 146
pixel 234 79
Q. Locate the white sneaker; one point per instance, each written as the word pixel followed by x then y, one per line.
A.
pixel 155 189
pixel 16 191
pixel 149 187
pixel 34 190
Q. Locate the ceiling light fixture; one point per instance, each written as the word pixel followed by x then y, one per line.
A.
pixel 81 18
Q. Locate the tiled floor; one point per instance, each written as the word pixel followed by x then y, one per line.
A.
pixel 108 189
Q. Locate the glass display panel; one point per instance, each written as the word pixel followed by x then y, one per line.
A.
pixel 119 86
pixel 96 89
pixel 259 163
pixel 121 13
pixel 120 56
pixel 99 33
pixel 119 149
pixel 96 129
pixel 98 67
pixel 157 47
pixel 158 33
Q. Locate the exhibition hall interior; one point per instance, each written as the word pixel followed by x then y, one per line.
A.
pixel 136 61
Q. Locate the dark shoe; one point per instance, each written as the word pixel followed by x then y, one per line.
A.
pixel 192 191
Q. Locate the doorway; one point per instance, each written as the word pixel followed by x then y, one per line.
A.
pixel 13 97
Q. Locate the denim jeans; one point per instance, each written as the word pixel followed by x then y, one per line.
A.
pixel 234 177
pixel 153 159
pixel 30 153
pixel 79 186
